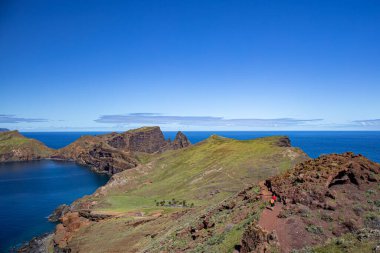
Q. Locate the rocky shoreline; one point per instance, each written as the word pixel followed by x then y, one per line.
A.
pixel 39 244
pixel 104 154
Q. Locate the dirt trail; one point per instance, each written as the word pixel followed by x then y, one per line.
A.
pixel 270 222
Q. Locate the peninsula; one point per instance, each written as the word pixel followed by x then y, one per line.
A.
pixel 171 196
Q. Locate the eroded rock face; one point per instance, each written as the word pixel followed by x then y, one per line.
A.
pixel 39 244
pixel 180 141
pixel 71 222
pixel 149 140
pixel 310 182
pixel 284 142
pixel 59 212
pixel 113 153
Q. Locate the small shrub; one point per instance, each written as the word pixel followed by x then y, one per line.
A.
pixel 372 220
pixel 326 217
pixel 370 192
pixel 358 210
pixel 314 229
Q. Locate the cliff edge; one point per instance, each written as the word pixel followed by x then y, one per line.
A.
pixel 115 152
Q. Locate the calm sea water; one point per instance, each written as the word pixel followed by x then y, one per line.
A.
pixel 30 191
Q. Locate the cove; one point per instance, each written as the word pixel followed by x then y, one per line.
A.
pixel 30 191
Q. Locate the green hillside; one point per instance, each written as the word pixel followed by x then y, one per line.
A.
pixel 210 170
pixel 202 175
pixel 16 147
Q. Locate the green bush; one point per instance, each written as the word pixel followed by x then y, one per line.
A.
pixel 314 229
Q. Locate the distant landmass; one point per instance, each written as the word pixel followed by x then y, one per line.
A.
pixel 16 147
pixel 3 130
pixel 172 196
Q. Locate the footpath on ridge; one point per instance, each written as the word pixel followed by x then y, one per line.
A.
pixel 269 220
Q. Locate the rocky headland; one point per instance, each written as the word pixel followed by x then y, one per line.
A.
pixel 115 152
pixel 16 147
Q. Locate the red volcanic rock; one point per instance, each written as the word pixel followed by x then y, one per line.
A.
pixel 312 182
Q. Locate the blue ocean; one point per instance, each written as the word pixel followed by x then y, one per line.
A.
pixel 30 191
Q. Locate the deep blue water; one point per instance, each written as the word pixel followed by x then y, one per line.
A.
pixel 30 191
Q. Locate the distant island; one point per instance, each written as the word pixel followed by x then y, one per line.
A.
pixel 3 130
pixel 172 196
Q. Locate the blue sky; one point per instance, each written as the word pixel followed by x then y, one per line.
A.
pixel 192 65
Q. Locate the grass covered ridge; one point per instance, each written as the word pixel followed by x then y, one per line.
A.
pixel 12 142
pixel 208 171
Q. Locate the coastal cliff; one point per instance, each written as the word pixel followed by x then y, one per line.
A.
pixel 116 152
pixel 16 147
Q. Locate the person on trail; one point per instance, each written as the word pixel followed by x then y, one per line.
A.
pixel 273 200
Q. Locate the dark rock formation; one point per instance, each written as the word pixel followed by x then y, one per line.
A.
pixel 113 153
pixel 38 244
pixel 147 139
pixel 59 212
pixel 93 217
pixel 284 142
pixel 180 141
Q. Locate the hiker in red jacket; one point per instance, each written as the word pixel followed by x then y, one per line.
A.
pixel 273 200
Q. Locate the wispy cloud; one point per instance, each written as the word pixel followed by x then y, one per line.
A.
pixel 5 118
pixel 159 119
pixel 367 122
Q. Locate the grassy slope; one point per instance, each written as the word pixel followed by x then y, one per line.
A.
pixel 12 140
pixel 192 174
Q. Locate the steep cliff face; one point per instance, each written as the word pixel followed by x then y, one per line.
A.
pixel 112 153
pixel 16 147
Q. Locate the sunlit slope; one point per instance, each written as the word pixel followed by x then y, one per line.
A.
pixel 209 171
pixel 16 147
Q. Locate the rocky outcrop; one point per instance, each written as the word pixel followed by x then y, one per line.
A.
pixel 113 153
pixel 327 197
pixel 40 244
pixel 284 142
pixel 310 183
pixel 147 139
pixel 16 147
pixel 71 222
pixel 59 212
pixel 257 240
pixel 180 141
